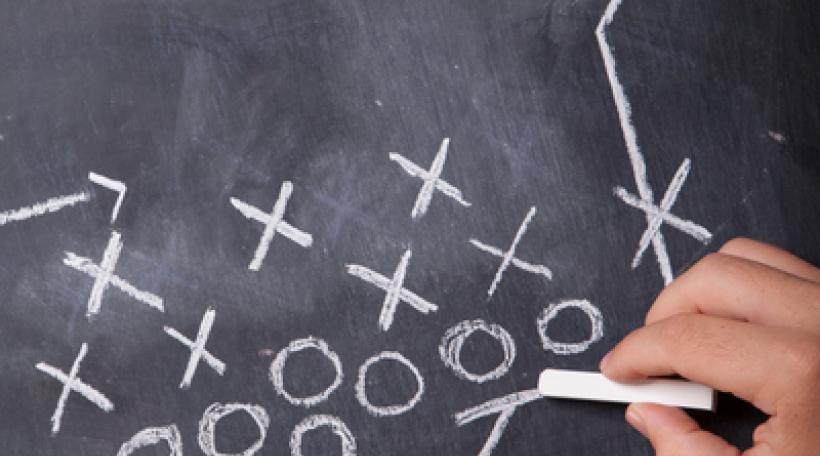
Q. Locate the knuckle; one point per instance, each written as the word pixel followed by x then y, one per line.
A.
pixel 678 328
pixel 807 358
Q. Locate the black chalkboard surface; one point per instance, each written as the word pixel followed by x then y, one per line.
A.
pixel 364 227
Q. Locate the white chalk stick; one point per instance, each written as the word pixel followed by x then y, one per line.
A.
pixel 592 386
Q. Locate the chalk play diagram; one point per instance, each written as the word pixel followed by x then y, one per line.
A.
pixel 97 273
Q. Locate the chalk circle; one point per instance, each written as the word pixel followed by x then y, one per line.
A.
pixel 453 342
pixel 313 422
pixel 560 348
pixel 277 371
pixel 217 411
pixel 387 410
pixel 152 436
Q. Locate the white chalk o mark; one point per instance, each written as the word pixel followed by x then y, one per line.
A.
pixel 508 257
pixel 453 342
pixel 505 407
pixel 387 410
pixel 72 382
pixel 104 276
pixel 431 180
pixel 277 371
pixel 559 348
pixel 153 436
pixel 217 411
pixel 653 219
pixel 395 291
pixel 197 348
pixel 113 185
pixel 45 207
pixel 316 421
pixel 274 223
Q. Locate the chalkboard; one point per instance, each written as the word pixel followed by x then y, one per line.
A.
pixel 364 227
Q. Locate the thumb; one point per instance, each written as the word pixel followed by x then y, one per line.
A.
pixel 673 433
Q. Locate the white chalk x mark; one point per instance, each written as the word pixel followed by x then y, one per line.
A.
pixel 508 257
pixel 103 275
pixel 113 185
pixel 313 422
pixel 197 347
pixel 48 206
pixel 72 383
pixel 658 215
pixel 395 291
pixel 655 215
pixel 505 407
pixel 153 436
pixel 431 178
pixel 274 223
pixel 277 371
pixel 453 342
pixel 387 410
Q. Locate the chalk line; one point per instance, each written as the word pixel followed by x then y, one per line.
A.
pixel 197 348
pixel 104 276
pixel 215 412
pixel 453 342
pixel 277 371
pixel 394 288
pixel 113 185
pixel 46 207
pixel 312 422
pixel 72 382
pixel 505 407
pixel 274 223
pixel 622 104
pixel 653 234
pixel 431 178
pixel 152 436
pixel 508 257
pixel 596 320
pixel 387 410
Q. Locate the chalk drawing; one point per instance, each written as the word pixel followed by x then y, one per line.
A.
pixel 453 342
pixel 654 219
pixel 395 291
pixel 277 371
pixel 46 207
pixel 505 407
pixel 113 185
pixel 217 411
pixel 596 321
pixel 153 436
pixel 273 224
pixel 72 382
pixel 103 275
pixel 657 215
pixel 197 348
pixel 431 180
pixel 508 257
pixel 312 422
pixel 387 410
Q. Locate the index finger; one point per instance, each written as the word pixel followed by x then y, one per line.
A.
pixel 731 287
pixel 728 355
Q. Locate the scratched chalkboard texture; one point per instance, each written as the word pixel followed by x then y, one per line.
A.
pixel 192 103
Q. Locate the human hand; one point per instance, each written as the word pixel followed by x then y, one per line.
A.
pixel 745 320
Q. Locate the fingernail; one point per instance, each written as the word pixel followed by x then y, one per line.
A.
pixel 605 361
pixel 633 417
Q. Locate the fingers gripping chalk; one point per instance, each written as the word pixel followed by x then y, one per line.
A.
pixel 592 386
